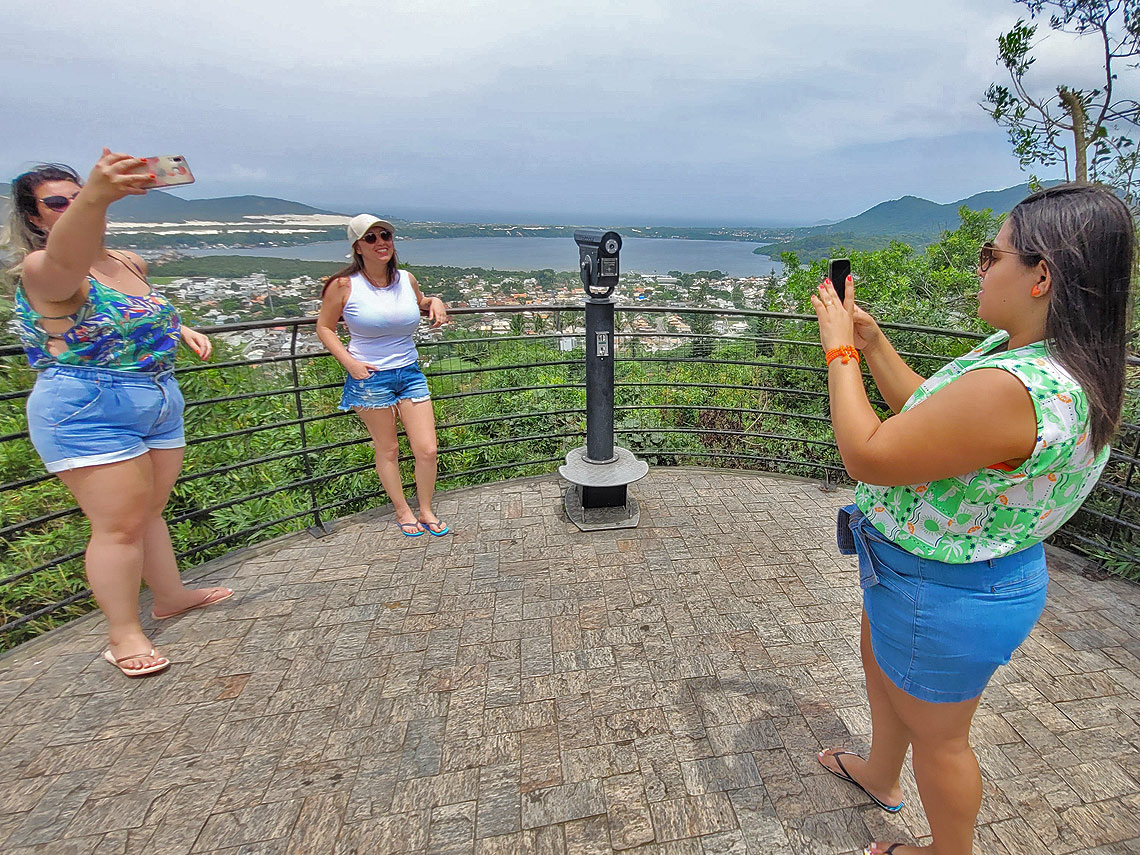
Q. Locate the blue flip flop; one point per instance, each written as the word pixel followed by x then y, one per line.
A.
pixel 846 776
pixel 426 526
pixel 418 533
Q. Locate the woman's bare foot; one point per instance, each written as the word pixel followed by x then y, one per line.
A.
pixel 133 651
pixel 877 848
pixel 855 767
pixel 406 516
pixel 433 524
pixel 188 599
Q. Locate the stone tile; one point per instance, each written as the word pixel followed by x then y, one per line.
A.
pixel 522 687
pixel 394 833
pixel 52 814
pixel 113 813
pixel 627 811
pixel 452 828
pixel 692 816
pixel 718 774
pixel 258 824
pixel 561 804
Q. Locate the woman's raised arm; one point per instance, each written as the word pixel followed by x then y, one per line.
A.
pixel 58 271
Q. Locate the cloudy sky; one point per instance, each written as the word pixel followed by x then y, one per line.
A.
pixel 747 112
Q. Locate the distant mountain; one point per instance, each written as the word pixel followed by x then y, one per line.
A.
pixel 911 215
pixel 910 219
pixel 157 206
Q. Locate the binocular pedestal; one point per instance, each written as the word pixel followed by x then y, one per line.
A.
pixel 599 472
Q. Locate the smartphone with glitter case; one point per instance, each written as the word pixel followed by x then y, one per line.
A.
pixel 169 170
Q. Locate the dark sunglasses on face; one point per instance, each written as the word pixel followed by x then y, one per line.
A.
pixel 988 251
pixel 58 203
pixel 372 237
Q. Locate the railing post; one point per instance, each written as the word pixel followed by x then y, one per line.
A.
pixel 318 528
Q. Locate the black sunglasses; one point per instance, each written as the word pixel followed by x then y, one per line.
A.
pixel 988 250
pixel 58 203
pixel 372 237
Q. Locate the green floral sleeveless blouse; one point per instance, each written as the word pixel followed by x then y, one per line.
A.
pixel 996 511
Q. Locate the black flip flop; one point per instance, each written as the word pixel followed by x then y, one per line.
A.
pixel 844 775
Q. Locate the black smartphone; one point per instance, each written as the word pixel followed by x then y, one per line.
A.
pixel 838 269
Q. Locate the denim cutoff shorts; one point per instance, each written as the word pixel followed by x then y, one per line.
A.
pixel 939 631
pixel 384 388
pixel 80 416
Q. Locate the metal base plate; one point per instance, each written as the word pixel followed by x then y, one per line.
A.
pixel 599 519
pixel 623 469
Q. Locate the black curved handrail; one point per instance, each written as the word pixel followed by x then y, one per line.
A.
pixel 506 405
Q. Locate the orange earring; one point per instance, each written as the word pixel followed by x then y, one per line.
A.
pixel 1035 291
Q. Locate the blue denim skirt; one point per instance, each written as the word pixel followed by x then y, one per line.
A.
pixel 382 389
pixel 938 630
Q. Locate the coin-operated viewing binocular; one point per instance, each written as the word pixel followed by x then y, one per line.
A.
pixel 598 260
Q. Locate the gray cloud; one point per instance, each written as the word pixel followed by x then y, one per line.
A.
pixel 736 112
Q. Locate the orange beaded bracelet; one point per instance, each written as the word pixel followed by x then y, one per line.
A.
pixel 843 353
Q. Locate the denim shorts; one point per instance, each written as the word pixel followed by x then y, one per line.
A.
pixel 939 631
pixel 90 416
pixel 384 388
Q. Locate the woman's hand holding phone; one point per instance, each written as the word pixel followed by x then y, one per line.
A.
pixel 114 176
pixel 836 326
pixel 868 336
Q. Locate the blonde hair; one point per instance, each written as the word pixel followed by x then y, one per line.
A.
pixel 20 235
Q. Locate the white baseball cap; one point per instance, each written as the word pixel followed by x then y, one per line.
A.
pixel 360 224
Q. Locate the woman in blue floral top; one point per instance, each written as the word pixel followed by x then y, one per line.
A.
pixel 106 413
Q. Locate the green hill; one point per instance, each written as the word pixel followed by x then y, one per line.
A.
pixel 918 222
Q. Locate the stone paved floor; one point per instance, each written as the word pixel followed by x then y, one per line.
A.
pixel 521 687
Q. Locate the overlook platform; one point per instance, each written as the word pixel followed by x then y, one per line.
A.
pixel 523 687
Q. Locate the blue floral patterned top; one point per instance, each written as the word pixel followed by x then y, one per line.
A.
pixel 111 330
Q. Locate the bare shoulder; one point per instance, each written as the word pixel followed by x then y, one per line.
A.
pixel 32 264
pixel 993 394
pixel 336 291
pixel 996 381
pixel 136 259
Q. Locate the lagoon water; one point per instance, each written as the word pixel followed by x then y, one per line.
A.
pixel 638 255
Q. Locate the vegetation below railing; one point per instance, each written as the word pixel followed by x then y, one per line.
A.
pixel 270 453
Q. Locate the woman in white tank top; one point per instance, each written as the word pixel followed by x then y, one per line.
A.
pixel 381 306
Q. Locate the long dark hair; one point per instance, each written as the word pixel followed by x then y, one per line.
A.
pixel 357 265
pixel 1086 236
pixel 23 235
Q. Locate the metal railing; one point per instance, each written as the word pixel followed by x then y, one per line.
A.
pixel 269 452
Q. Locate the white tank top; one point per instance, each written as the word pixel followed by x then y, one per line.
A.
pixel 382 321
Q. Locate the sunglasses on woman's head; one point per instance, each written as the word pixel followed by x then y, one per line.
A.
pixel 58 203
pixel 372 237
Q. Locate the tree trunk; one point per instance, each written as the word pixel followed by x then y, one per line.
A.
pixel 1076 110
